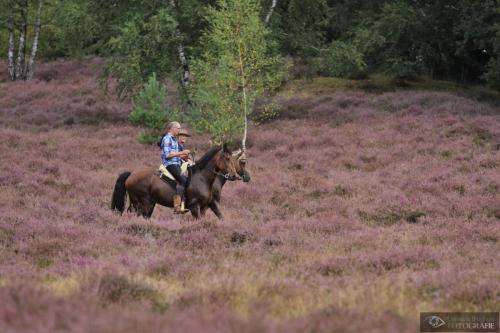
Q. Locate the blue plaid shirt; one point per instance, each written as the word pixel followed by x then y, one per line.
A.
pixel 169 144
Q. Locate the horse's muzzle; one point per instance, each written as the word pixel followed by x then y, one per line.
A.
pixel 232 178
pixel 245 177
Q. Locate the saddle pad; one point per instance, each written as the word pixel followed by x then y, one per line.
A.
pixel 163 170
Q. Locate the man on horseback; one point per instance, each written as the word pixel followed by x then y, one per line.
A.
pixel 182 138
pixel 171 157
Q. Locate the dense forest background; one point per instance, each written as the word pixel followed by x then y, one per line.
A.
pixel 457 40
pixel 226 54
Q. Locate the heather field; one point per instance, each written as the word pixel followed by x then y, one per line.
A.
pixel 363 210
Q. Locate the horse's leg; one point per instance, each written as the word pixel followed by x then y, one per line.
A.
pixel 139 210
pixel 214 206
pixel 203 210
pixel 132 207
pixel 139 205
pixel 151 209
pixel 147 207
pixel 195 211
pixel 136 206
pixel 133 203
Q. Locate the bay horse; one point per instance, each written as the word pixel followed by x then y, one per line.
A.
pixel 219 182
pixel 145 188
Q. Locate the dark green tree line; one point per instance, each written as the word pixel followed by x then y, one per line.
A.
pixel 449 39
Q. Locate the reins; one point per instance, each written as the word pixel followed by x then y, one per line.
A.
pixel 225 175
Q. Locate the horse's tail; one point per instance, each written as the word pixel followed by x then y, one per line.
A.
pixel 118 199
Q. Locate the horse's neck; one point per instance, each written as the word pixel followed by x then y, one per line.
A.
pixel 221 180
pixel 207 174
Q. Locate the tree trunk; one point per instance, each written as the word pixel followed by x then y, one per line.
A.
pixel 185 66
pixel 244 89
pixel 180 51
pixel 270 12
pixel 34 48
pixel 20 63
pixel 12 44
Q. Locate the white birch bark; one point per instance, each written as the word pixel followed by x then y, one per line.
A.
pixel 34 48
pixel 182 58
pixel 244 88
pixel 181 53
pixel 12 45
pixel 20 68
pixel 270 12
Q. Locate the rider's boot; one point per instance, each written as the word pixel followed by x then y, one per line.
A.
pixel 179 205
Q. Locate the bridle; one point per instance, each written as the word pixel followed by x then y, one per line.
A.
pixel 226 175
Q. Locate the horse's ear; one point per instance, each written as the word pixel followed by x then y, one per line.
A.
pixel 237 153
pixel 226 149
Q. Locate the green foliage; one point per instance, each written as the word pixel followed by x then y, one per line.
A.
pixel 390 40
pixel 238 64
pixel 149 110
pixel 451 39
pixel 304 26
pixel 492 75
pixel 267 112
pixel 149 105
pixel 143 46
pixel 448 39
pixel 476 30
pixel 75 31
pixel 405 69
pixel 341 59
pixel 148 137
pixel 193 21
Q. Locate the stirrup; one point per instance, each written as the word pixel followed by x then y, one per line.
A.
pixel 181 209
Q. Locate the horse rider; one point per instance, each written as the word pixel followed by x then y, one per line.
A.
pixel 182 138
pixel 171 157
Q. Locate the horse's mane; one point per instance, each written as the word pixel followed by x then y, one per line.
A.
pixel 203 161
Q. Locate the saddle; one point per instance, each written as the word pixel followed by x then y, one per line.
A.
pixel 167 177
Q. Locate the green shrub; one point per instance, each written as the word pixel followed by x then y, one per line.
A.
pixel 149 110
pixel 405 69
pixel 143 45
pixel 266 112
pixel 492 75
pixel 341 59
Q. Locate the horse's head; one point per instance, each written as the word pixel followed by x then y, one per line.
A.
pixel 226 163
pixel 241 162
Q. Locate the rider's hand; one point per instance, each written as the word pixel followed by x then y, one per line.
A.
pixel 186 151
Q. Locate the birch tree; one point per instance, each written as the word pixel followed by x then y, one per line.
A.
pixel 239 63
pixel 34 48
pixel 19 68
pixel 21 51
pixel 12 44
pixel 270 12
pixel 180 51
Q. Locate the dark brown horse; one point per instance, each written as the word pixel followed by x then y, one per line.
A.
pixel 146 189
